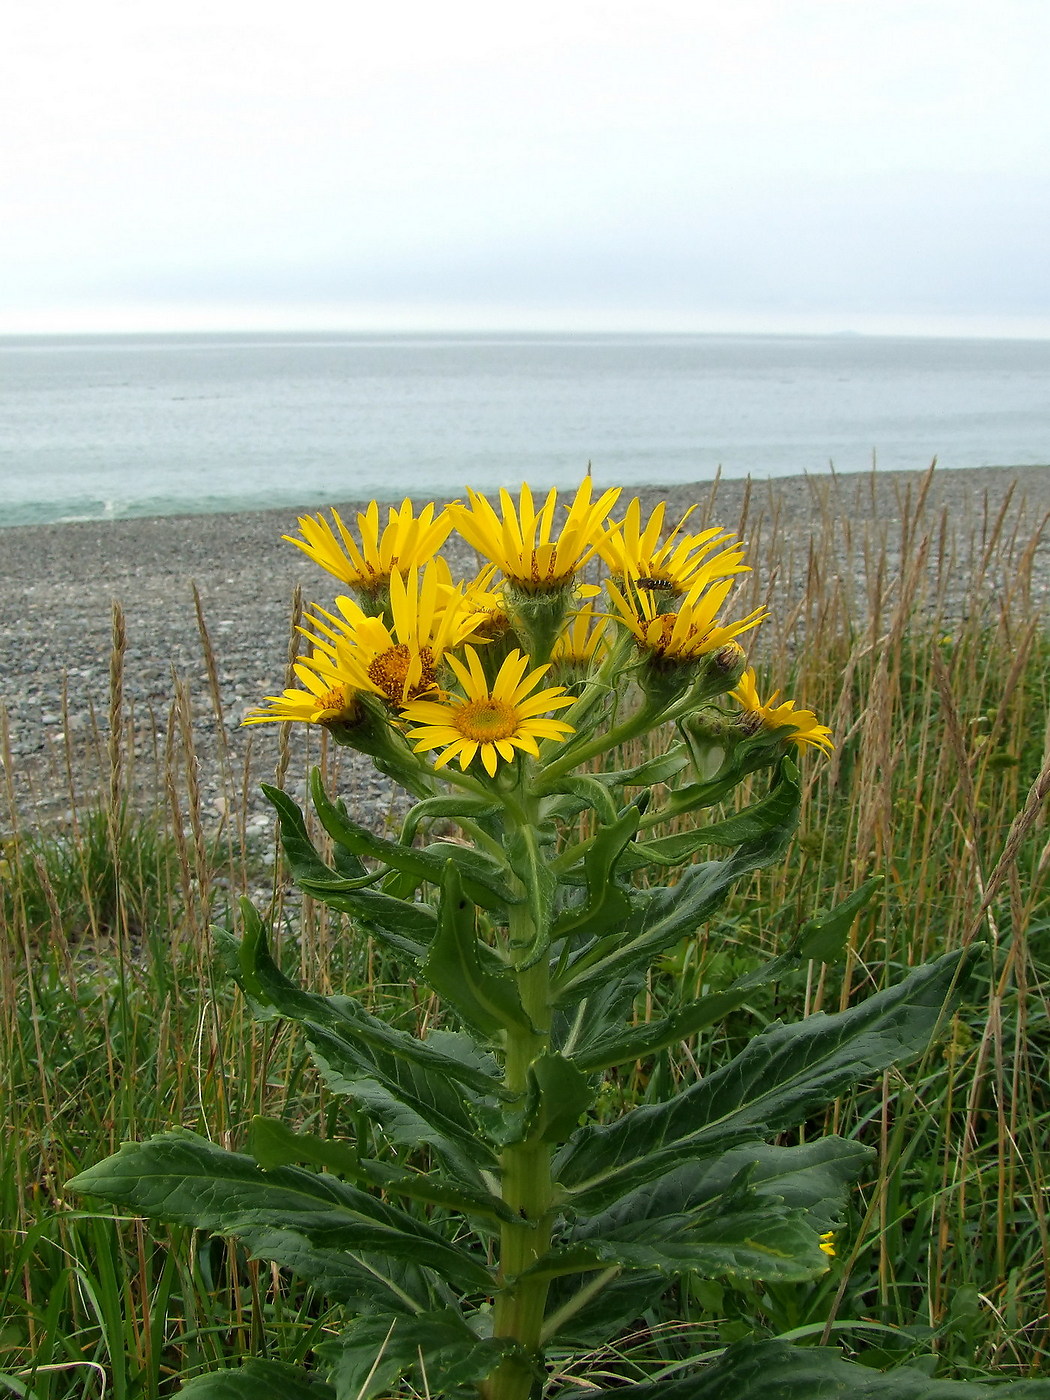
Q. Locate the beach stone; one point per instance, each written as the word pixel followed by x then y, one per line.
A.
pixel 58 585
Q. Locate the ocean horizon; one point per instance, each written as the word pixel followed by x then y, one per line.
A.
pixel 117 426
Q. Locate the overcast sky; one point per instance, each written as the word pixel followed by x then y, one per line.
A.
pixel 575 164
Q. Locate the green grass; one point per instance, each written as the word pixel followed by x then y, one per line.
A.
pixel 116 1021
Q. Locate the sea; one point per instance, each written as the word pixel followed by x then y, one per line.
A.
pixel 103 427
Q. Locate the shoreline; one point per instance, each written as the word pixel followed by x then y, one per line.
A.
pixel 58 583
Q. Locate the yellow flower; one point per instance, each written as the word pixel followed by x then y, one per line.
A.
pixel 521 541
pixel 405 542
pixel 685 635
pixel 806 731
pixel 491 721
pixel 679 565
pixel 398 662
pixel 584 639
pixel 827 1243
pixel 489 606
pixel 322 702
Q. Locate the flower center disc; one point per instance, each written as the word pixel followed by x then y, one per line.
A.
pixel 389 671
pixel 485 721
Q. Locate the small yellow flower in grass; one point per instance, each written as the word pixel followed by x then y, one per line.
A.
pixel 490 721
pixel 398 662
pixel 522 539
pixel 827 1243
pixel 758 715
pixel 681 564
pixel 324 701
pixel 405 542
pixel 686 635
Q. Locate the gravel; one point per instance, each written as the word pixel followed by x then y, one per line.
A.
pixel 58 585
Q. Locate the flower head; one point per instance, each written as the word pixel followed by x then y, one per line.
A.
pixel 405 542
pixel 324 701
pixel 686 635
pixel 522 540
pixel 827 1243
pixel 488 721
pixel 802 724
pixel 583 639
pixel 397 661
pixel 681 564
pixel 492 620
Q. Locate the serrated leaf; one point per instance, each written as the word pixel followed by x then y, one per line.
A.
pixel 659 769
pixel 444 1056
pixel 259 1380
pixel 812 1178
pixel 487 999
pixel 274 1144
pixel 824 937
pixel 778 1078
pixel 374 1353
pixel 766 1242
pixel 606 904
pixel 777 811
pixel 483 880
pixel 775 1370
pixel 558 1094
pixel 404 925
pixel 584 790
pixel 184 1179
pixel 619 1047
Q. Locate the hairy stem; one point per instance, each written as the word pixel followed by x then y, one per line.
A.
pixel 526 1187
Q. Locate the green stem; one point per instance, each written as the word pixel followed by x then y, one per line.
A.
pixel 645 717
pixel 527 1187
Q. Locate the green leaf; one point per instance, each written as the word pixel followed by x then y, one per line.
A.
pixel 460 805
pixel 821 937
pixel 778 810
pixel 274 1144
pixel 374 1353
pixel 486 996
pixel 587 1320
pixel 606 903
pixel 619 1047
pixel 755 1213
pixel 654 770
pixel 824 937
pixel 405 925
pixel 183 1179
pixel 780 1076
pixel 584 790
pixel 775 1370
pixel 765 1242
pixel 812 1178
pixel 558 1094
pixel 530 852
pixel 483 880
pixel 444 1055
pixel 665 915
pixel 259 1380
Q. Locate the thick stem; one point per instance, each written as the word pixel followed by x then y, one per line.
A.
pixel 527 1188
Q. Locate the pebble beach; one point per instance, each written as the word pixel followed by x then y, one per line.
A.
pixel 58 584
